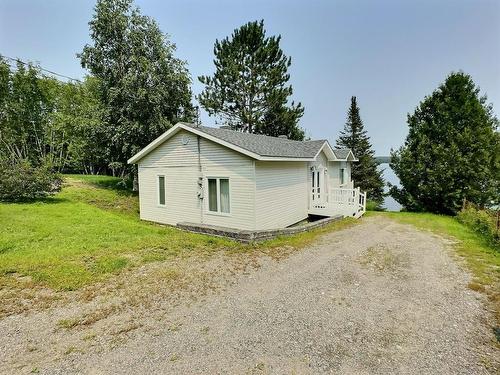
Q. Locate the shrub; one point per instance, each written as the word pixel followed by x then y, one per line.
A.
pixel 22 181
pixel 374 206
pixel 481 221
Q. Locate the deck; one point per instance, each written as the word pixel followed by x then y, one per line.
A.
pixel 339 201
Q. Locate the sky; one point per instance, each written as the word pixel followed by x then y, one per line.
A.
pixel 389 54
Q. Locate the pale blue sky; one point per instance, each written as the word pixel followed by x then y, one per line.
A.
pixel 390 54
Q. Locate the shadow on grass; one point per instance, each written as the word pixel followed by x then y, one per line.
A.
pixel 117 184
pixel 45 200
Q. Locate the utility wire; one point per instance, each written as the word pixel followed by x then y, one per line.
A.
pixel 39 67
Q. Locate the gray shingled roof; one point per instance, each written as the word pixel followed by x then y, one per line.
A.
pixel 269 146
pixel 262 145
pixel 341 153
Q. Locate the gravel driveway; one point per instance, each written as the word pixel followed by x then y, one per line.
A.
pixel 376 298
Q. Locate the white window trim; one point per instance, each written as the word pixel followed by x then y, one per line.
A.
pixel 158 190
pixel 207 204
pixel 342 180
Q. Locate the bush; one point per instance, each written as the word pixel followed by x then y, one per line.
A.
pixel 22 181
pixel 374 206
pixel 483 222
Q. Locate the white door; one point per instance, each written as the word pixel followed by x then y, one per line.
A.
pixel 317 185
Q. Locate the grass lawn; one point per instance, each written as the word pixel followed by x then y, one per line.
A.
pixel 84 233
pixel 91 230
pixel 480 256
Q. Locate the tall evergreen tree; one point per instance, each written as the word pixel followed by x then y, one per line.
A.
pixel 364 172
pixel 452 150
pixel 249 90
pixel 144 89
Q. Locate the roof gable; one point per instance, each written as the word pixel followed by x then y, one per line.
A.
pixel 259 147
pixel 344 154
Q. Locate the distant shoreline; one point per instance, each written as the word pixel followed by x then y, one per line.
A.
pixel 383 159
pixel 390 203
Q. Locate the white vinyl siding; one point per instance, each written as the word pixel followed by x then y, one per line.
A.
pixel 177 160
pixel 257 194
pixel 180 191
pixel 281 193
pixel 334 168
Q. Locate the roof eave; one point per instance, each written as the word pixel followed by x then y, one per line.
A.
pixel 172 131
pixel 330 154
pixel 155 143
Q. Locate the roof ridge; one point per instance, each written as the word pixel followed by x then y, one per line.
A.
pixel 201 127
pixel 257 146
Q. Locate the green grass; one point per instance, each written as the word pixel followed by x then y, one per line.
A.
pixel 479 255
pixel 86 233
pixel 91 231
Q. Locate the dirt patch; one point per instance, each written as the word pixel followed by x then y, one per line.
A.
pixel 383 259
pixel 376 298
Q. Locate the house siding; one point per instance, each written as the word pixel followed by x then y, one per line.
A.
pixel 281 194
pixel 177 160
pixel 333 172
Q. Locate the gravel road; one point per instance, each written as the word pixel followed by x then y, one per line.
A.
pixel 377 298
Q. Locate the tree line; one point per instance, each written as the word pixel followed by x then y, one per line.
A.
pixel 136 89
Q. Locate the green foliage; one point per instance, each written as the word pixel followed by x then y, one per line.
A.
pixel 25 105
pixel 452 151
pixel 249 90
pixel 364 173
pixel 482 222
pixel 43 120
pixel 373 206
pixel 77 128
pixel 137 91
pixel 142 87
pixel 27 142
pixel 21 181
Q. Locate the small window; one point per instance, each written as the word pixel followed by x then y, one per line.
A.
pixel 342 176
pixel 212 194
pixel 161 190
pixel 218 195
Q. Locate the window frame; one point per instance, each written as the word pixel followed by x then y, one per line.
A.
pixel 158 200
pixel 342 176
pixel 217 195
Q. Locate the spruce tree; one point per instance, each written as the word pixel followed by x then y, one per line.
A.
pixel 249 90
pixel 452 151
pixel 364 173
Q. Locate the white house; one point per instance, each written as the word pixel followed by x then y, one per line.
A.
pixel 245 181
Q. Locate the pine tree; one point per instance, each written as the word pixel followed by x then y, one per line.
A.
pixel 364 172
pixel 452 151
pixel 249 90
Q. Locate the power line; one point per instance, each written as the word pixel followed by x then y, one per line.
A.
pixel 39 67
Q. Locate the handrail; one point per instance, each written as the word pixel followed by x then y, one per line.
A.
pixel 349 202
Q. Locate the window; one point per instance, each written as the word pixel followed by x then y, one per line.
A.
pixel 161 190
pixel 342 176
pixel 218 195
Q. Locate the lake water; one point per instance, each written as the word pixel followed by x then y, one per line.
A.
pixel 389 176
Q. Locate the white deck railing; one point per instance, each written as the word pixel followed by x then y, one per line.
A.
pixel 347 202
